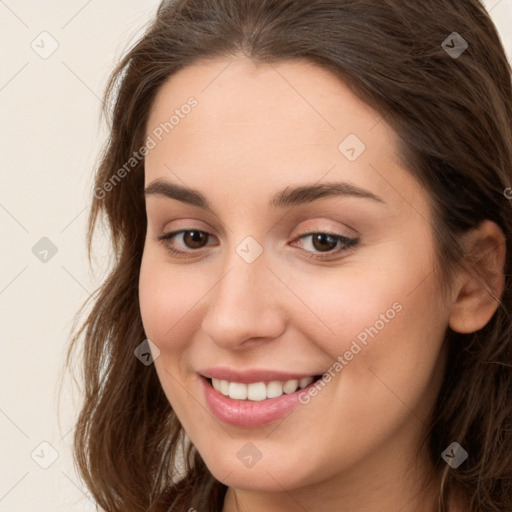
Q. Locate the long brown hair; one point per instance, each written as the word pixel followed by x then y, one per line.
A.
pixel 453 114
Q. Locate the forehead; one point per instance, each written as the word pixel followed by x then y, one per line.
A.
pixel 247 95
pixel 261 126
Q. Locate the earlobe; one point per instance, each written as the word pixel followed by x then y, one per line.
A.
pixel 481 284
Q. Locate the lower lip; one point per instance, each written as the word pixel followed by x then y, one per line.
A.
pixel 249 413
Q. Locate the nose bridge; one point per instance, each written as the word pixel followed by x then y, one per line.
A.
pixel 242 304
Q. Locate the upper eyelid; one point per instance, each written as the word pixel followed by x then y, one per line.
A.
pixel 352 233
pixel 305 232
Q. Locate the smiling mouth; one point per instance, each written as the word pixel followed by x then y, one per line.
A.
pixel 258 391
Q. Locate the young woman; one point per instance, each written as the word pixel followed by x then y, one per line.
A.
pixel 310 209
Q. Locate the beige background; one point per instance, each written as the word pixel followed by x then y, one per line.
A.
pixel 50 136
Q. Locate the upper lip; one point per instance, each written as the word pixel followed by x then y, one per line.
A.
pixel 252 375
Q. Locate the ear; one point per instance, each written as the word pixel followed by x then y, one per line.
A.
pixel 479 287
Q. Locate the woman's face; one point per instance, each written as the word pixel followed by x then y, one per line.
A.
pixel 275 285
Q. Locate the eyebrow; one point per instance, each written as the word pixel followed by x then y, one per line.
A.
pixel 290 196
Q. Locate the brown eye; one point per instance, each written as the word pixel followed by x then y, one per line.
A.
pixel 195 239
pixel 324 242
pixel 321 245
pixel 185 241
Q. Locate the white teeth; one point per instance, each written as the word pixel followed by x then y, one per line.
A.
pixel 237 391
pixel 216 384
pixel 258 391
pixel 306 381
pixel 290 386
pixel 274 389
pixel 224 387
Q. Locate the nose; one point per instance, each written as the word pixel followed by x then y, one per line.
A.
pixel 244 307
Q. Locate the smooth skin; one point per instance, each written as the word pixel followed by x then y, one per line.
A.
pixel 259 129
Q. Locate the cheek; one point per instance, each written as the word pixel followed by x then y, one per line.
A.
pixel 375 296
pixel 170 310
pixel 367 309
pixel 169 298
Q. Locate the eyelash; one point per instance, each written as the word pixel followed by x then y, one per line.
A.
pixel 348 243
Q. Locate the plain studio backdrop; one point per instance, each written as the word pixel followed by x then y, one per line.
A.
pixel 56 59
